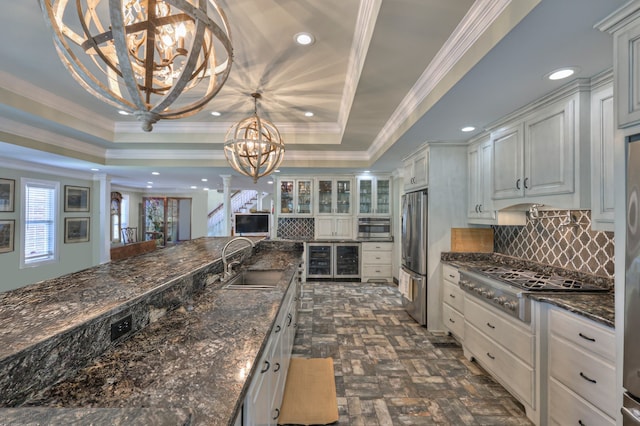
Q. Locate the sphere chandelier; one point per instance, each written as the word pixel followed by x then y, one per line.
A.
pixel 141 55
pixel 253 146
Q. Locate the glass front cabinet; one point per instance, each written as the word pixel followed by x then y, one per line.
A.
pixel 334 196
pixel 374 196
pixel 295 197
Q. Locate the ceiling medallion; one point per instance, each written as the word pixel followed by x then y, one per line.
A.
pixel 253 146
pixel 141 55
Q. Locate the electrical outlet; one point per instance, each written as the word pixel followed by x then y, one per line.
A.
pixel 121 327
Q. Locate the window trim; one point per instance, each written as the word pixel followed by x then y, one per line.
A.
pixel 55 186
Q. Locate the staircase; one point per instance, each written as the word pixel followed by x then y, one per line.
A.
pixel 241 202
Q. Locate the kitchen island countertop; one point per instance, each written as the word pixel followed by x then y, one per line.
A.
pixel 192 366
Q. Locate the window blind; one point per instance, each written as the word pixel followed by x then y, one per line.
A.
pixel 40 222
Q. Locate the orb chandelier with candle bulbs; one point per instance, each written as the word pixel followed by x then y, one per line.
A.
pixel 253 146
pixel 142 55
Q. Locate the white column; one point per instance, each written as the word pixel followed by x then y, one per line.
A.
pixel 226 180
pixel 259 198
pixel 103 217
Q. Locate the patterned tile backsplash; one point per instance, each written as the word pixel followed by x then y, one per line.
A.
pixel 294 228
pixel 547 240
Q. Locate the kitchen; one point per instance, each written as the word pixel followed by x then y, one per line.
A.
pixel 499 204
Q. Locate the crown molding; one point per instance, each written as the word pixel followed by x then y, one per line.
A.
pixel 45 169
pixel 479 18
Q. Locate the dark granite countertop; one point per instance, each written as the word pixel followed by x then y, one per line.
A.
pixel 599 307
pixel 192 366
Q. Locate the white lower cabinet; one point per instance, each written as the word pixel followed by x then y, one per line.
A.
pixel 452 302
pixel 376 262
pixel 264 398
pixel 581 360
pixel 505 347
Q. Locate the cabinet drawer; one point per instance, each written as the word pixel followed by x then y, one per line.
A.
pixel 567 408
pixel 518 340
pixel 595 338
pixel 453 321
pixel 378 247
pixel 376 257
pixel 514 374
pixel 450 273
pixel 453 295
pixel 588 376
pixel 376 271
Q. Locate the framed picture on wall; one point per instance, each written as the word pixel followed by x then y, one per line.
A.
pixel 76 230
pixel 7 191
pixel 7 228
pixel 76 198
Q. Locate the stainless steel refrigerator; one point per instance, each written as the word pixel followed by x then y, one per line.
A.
pixel 414 254
pixel 631 366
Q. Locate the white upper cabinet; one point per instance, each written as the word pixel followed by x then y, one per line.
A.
pixel 602 144
pixel 480 204
pixel 295 197
pixel 374 196
pixel 544 157
pixel 416 170
pixel 334 196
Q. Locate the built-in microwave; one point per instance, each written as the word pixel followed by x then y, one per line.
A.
pixel 374 228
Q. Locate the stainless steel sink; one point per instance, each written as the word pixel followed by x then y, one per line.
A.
pixel 255 279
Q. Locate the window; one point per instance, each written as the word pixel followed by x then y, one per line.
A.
pixel 40 207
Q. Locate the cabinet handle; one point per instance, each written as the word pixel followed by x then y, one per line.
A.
pixel 277 414
pixel 453 296
pixel 451 321
pixel 491 325
pixel 277 368
pixel 290 319
pixel 451 276
pixel 266 368
pixel 476 208
pixel 587 378
pixel 581 423
pixel 490 356
pixel 591 339
pixel 479 208
pixel 518 184
pixel 278 328
pixel 525 183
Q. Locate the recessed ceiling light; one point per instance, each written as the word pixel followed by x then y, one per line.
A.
pixel 204 180
pixel 276 171
pixel 205 189
pixel 122 112
pixel 149 183
pixel 270 182
pixel 215 113
pixel 304 39
pixel 367 171
pixel 155 173
pixel 308 114
pixel 95 170
pixel 194 187
pixel 561 73
pixel 468 129
pixel 149 186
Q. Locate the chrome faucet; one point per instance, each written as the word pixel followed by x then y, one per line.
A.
pixel 228 266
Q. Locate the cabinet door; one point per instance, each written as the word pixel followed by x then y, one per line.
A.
pixel 365 196
pixel 421 169
pixel 485 156
pixel 324 227
pixel 627 50
pixel 383 197
pixel 343 227
pixel 549 151
pixel 303 192
pixel 343 196
pixel 286 196
pixel 325 196
pixel 474 180
pixel 507 163
pixel 602 144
